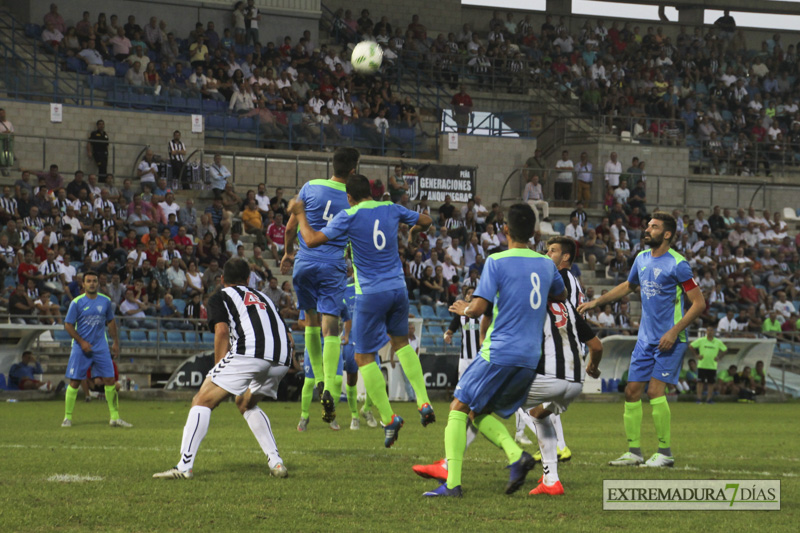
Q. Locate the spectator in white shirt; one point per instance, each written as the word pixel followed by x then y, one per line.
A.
pixel 622 193
pixel 728 324
pixel 262 199
pixel 784 307
pixel 52 38
pixel 563 183
pixel 612 171
pixel 455 253
pixel 169 207
pixel 219 176
pixel 574 230
pixel 147 169
pixel 534 196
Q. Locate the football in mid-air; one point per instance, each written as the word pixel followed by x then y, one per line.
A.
pixel 367 57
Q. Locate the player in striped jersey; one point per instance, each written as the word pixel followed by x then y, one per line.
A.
pixel 320 274
pixel 252 353
pixel 562 251
pixel 559 380
pixel 470 335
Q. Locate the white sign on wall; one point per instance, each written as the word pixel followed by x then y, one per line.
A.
pixel 56 113
pixel 452 141
pixel 197 123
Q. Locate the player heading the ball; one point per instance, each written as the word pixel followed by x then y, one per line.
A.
pixel 381 293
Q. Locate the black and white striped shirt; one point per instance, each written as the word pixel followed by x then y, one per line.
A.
pixel 106 223
pixel 564 333
pixel 256 328
pixel 415 270
pixel 9 205
pixel 176 145
pixel 470 335
pixel 575 294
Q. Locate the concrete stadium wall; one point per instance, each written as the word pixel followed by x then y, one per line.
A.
pixel 495 158
pixel 284 18
pixel 66 141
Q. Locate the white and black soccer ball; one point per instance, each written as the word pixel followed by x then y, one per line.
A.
pixel 366 57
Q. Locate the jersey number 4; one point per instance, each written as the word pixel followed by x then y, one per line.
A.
pixel 250 299
pixel 326 216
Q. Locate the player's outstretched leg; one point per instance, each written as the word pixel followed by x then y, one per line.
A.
pixel 330 361
pixel 262 430
pixel 545 432
pixel 376 388
pixel 633 430
pixel 454 447
pixel 412 368
pixel 314 349
pixel 70 396
pixel 112 398
pixel 305 403
pixel 194 432
pixel 662 419
pixel 438 470
pixel 520 462
pixel 564 453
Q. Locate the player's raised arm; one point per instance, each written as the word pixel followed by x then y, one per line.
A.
pixel 620 291
pixel 288 246
pixel 423 223
pixel 474 309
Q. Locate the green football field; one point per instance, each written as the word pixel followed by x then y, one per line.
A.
pixel 347 480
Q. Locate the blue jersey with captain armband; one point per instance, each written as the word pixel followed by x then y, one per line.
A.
pixel 322 201
pixel 371 228
pixel 517 282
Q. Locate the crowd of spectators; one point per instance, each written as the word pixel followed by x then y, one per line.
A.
pixel 154 256
pixel 294 87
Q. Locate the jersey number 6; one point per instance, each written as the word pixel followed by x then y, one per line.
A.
pixel 378 237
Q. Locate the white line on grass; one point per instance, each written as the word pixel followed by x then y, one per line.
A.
pixel 72 478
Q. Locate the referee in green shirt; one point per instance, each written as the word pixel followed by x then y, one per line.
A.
pixel 707 350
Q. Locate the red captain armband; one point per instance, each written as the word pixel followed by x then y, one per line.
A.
pixel 688 285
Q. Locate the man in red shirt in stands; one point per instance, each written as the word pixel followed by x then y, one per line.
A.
pixel 462 107
pixel 28 270
pixel 276 236
pixel 749 293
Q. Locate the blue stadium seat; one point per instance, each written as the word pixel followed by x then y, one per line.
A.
pixel 246 124
pixel 299 340
pixel 193 105
pixel 559 227
pixel 435 329
pixel 428 312
pixel 138 335
pixel 120 69
pixel 76 65
pixel 34 31
pixel 62 337
pixel 177 103
pixel 429 341
pixel 215 122
pixel 175 338
pixel 442 312
pixel 231 123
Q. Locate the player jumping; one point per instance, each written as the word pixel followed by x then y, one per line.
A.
pixel 320 274
pixel 381 293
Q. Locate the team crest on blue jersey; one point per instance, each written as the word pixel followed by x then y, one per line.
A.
pixel 656 272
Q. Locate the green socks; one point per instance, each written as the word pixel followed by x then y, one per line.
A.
pixel 336 393
pixel 352 400
pixel 368 403
pixel 661 417
pixel 494 430
pixel 633 422
pixel 112 398
pixel 306 396
pixel 409 360
pixel 376 388
pixel 69 401
pixel 455 440
pixel 314 349
pixel 330 362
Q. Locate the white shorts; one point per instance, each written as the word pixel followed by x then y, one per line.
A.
pixel 463 364
pixel 552 393
pixel 236 374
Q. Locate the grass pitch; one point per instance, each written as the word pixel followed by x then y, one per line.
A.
pixel 93 477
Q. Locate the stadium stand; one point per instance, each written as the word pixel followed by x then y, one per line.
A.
pixel 729 106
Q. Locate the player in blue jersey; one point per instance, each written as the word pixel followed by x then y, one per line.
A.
pixel 665 278
pixel 517 283
pixel 87 318
pixel 381 293
pixel 320 274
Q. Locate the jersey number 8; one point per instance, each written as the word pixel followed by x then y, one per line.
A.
pixel 536 295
